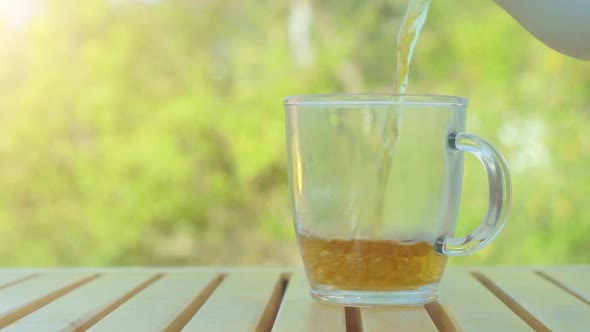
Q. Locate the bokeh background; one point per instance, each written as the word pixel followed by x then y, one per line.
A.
pixel 152 132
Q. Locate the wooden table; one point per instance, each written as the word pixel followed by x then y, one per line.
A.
pixel 257 299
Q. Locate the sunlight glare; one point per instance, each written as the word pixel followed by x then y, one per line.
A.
pixel 17 14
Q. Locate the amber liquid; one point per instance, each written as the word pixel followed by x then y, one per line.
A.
pixel 376 265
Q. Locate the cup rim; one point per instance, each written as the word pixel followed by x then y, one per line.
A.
pixel 378 99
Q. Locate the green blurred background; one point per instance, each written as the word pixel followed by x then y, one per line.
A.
pixel 152 132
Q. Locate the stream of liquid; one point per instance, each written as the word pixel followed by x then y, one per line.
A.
pixel 407 39
pixel 376 263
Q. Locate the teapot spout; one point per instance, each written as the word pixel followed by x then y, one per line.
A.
pixel 563 25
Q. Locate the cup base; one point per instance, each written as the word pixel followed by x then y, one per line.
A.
pixel 357 298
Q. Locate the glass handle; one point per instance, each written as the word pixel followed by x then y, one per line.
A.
pixel 499 201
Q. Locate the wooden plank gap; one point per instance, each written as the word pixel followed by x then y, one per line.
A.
pixel 43 301
pixel 271 310
pixel 354 321
pixel 518 309
pixel 441 317
pixel 187 314
pixel 18 281
pixel 562 286
pixel 299 312
pixel 113 306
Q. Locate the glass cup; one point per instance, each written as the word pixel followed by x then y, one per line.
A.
pixel 375 183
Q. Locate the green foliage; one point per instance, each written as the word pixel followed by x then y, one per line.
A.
pixel 135 133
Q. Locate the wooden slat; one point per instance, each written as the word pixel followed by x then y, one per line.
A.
pixel 397 319
pixel 25 297
pixel 75 309
pixel 574 280
pixel 474 307
pixel 237 304
pixel 8 279
pixel 299 312
pixel 542 304
pixel 196 299
pixel 157 307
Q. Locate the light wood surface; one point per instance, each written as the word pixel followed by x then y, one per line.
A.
pixel 474 306
pixel 278 300
pixel 397 319
pixel 576 282
pixel 157 306
pixel 28 296
pixel 68 313
pixel 237 304
pixel 299 312
pixel 543 304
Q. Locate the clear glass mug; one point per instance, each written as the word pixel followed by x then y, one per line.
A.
pixel 375 183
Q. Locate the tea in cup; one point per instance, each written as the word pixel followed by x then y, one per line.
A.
pixel 375 183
